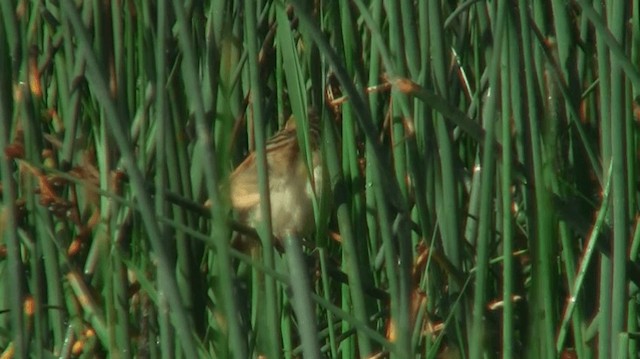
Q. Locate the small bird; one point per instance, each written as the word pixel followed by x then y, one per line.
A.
pixel 291 185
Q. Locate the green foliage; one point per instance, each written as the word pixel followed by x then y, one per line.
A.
pixel 481 173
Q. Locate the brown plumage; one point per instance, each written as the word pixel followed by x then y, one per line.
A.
pixel 290 186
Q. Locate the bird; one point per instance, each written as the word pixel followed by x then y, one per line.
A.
pixel 292 186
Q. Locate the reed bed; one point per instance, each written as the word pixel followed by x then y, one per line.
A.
pixel 481 178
